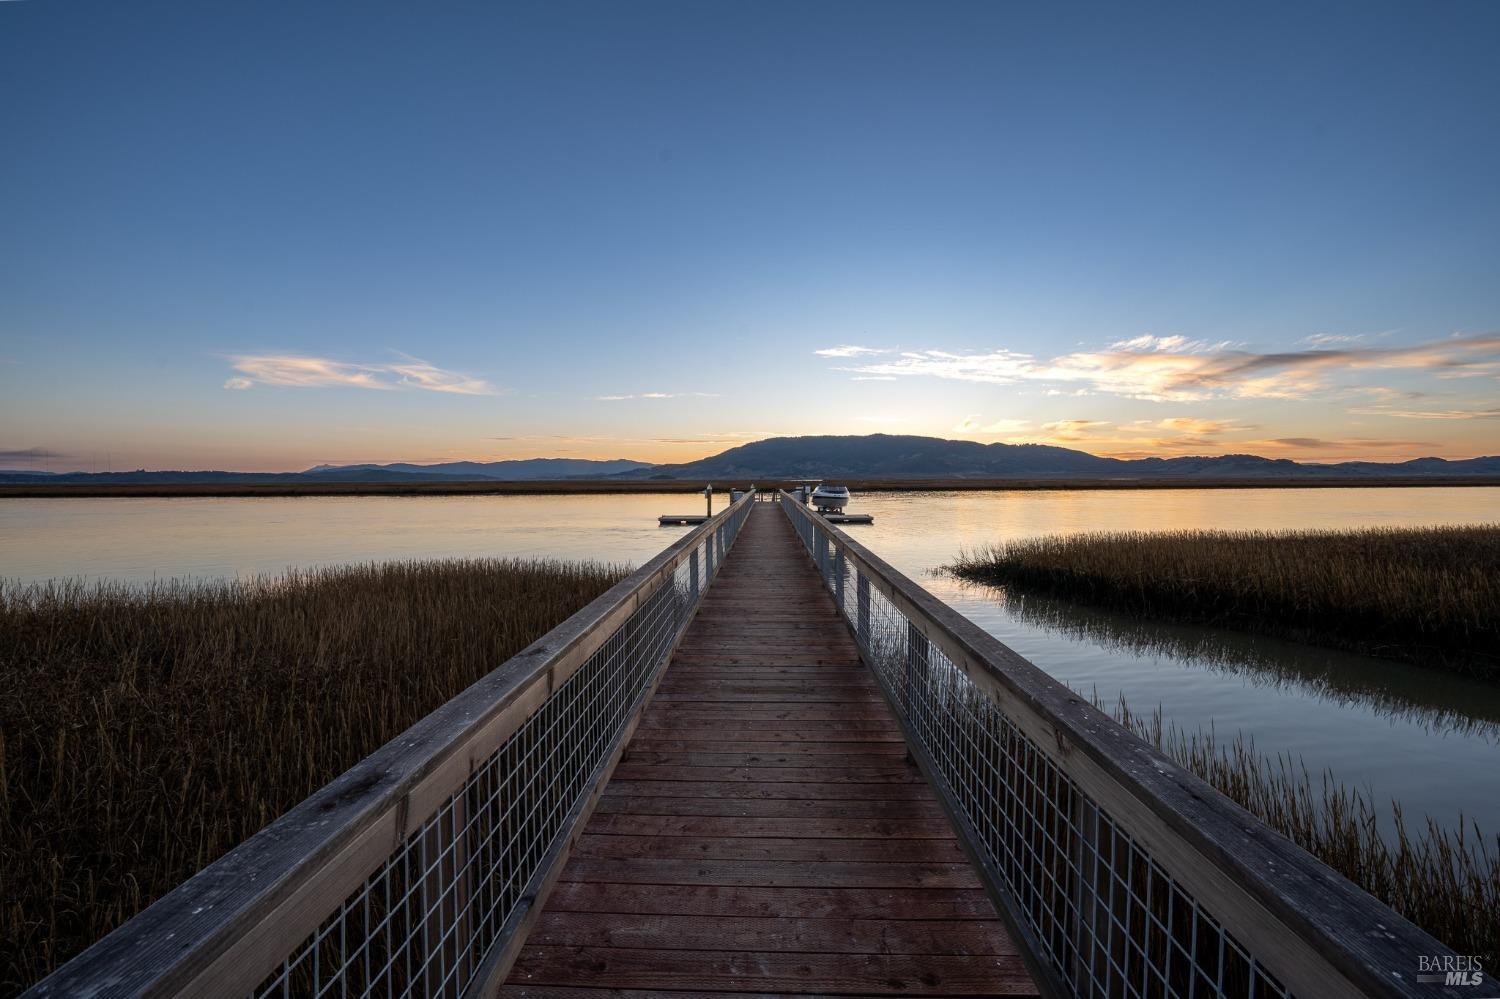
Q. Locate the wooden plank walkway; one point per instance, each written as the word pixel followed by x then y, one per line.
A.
pixel 764 833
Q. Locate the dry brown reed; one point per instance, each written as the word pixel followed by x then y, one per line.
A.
pixel 1429 595
pixel 144 732
pixel 1446 882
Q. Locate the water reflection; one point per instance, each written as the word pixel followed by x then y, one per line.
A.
pixel 1436 701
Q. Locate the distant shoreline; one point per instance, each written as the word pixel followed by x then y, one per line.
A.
pixel 633 486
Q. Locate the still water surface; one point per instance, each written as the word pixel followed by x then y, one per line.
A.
pixel 1424 737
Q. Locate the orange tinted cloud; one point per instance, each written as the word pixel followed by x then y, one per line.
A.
pixel 301 371
pixel 1177 369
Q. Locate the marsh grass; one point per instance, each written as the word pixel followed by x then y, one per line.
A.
pixel 145 732
pixel 1446 882
pixel 1429 595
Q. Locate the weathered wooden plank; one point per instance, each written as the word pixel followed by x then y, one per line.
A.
pixel 816 683
pixel 774 933
pixel 768 659
pixel 568 992
pixel 709 758
pixel 869 716
pixel 772 700
pixel 782 902
pixel 873 974
pixel 789 749
pixel 621 804
pixel 773 873
pixel 778 827
pixel 835 696
pixel 804 790
pixel 832 674
pixel 776 731
pixel 784 626
pixel 875 773
pixel 768 728
pixel 728 847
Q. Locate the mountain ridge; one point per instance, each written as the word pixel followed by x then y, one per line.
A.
pixel 907 456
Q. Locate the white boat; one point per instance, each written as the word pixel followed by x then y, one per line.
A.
pixel 830 499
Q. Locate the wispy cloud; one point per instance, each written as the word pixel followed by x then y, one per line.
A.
pixel 850 350
pixel 1182 370
pixel 1429 414
pixel 1072 430
pixel 723 437
pixel 303 371
pixel 415 373
pixel 657 395
pixel 31 454
pixel 974 424
pixel 1346 444
pixel 1197 426
pixel 1332 339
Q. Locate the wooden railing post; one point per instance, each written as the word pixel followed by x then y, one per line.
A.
pixel 693 572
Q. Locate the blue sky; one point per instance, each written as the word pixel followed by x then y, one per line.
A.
pixel 267 235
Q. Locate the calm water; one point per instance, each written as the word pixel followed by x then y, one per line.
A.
pixel 1424 737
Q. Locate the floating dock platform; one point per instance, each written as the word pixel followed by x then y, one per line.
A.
pixel 848 518
pixel 667 519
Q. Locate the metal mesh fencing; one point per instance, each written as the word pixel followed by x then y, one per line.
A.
pixel 1106 916
pixel 423 923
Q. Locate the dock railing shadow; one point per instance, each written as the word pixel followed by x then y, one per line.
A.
pixel 1119 872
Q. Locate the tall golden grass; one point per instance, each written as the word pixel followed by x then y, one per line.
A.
pixel 1447 882
pixel 1429 595
pixel 145 732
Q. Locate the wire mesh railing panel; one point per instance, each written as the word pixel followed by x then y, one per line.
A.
pixel 1107 917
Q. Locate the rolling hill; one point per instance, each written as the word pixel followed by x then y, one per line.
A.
pixel 879 456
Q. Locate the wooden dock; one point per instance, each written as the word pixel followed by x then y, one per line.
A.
pixel 764 831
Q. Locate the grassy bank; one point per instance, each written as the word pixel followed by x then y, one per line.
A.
pixel 1447 882
pixel 143 733
pixel 1426 595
